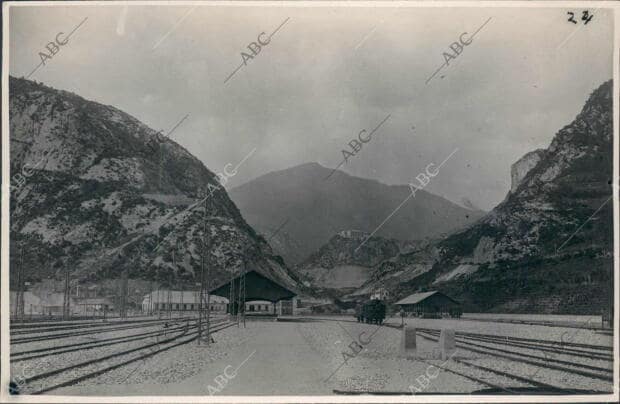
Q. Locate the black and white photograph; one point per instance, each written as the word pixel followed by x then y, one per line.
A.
pixel 296 201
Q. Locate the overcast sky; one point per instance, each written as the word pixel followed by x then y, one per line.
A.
pixel 327 74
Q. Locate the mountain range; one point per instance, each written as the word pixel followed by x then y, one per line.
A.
pixel 97 193
pixel 301 208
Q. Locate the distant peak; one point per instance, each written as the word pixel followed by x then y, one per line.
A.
pixel 310 165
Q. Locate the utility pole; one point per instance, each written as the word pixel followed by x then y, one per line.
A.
pixel 157 304
pixel 150 307
pixel 202 267
pixel 174 264
pixel 231 299
pixel 208 280
pixel 203 258
pixel 182 307
pixel 208 301
pixel 169 299
pixel 239 292
pixel 20 295
pixel 124 293
pixel 243 281
pixel 67 297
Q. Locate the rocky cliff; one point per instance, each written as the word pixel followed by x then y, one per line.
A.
pixel 548 245
pixel 346 262
pixel 524 165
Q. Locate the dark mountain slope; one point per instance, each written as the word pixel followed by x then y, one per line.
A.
pixel 316 208
pixel 105 194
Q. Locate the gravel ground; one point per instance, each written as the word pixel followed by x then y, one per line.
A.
pixel 553 377
pixel 271 358
pixel 316 357
pixel 379 367
pixel 45 364
pixel 173 365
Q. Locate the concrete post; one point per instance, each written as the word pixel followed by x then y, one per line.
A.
pixel 447 343
pixel 408 342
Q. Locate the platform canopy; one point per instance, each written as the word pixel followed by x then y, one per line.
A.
pixel 257 287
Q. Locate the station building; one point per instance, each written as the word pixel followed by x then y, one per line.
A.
pixel 262 291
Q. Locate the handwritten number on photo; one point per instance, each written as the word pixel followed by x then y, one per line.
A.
pixel 585 17
pixel 571 19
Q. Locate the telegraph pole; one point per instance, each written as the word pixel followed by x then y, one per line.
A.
pixel 150 308
pixel 243 280
pixel 208 280
pixel 239 300
pixel 169 296
pixel 208 300
pixel 182 307
pixel 157 303
pixel 19 275
pixel 231 300
pixel 124 292
pixel 19 301
pixel 66 302
pixel 202 288
pixel 240 292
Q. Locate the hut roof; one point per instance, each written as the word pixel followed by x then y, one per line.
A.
pixel 418 297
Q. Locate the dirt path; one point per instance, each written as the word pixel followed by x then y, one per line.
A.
pixel 271 363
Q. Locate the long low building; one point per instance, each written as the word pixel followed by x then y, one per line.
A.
pixel 180 300
pixel 189 300
pixel 430 304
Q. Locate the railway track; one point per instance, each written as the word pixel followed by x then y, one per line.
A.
pixel 43 324
pixel 534 341
pixel 60 349
pixel 94 324
pixel 48 381
pixel 509 341
pixel 594 372
pixel 24 340
pixel 503 339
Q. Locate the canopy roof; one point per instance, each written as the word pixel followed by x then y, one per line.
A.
pixel 257 287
